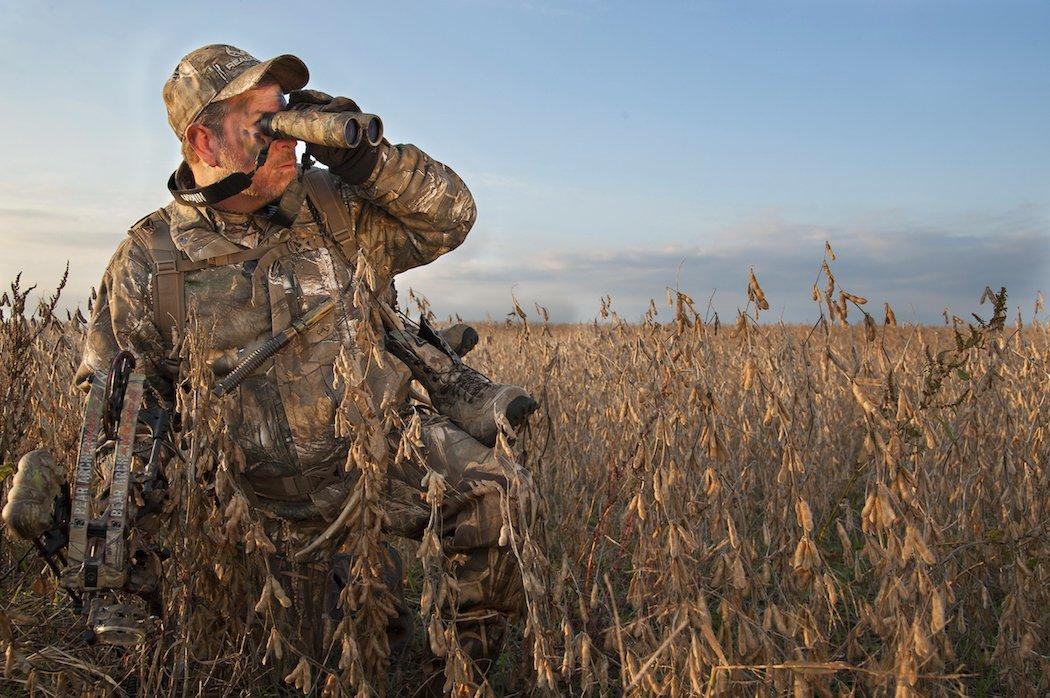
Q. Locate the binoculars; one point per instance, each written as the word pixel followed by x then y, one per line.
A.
pixel 336 129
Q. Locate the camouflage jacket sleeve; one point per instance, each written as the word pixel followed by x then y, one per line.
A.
pixel 122 318
pixel 416 209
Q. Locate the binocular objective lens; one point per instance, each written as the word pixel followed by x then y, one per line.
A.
pixel 375 131
pixel 352 133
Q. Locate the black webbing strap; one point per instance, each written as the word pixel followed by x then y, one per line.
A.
pixel 209 195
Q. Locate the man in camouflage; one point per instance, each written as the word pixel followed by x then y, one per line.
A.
pixel 405 209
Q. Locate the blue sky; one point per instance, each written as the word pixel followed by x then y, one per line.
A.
pixel 613 148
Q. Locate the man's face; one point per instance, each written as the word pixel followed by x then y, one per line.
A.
pixel 242 140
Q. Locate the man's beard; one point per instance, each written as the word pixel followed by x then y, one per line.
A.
pixel 264 187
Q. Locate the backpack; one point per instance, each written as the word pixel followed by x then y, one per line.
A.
pixel 170 264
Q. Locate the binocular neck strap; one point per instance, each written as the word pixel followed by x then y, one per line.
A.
pixel 228 186
pixel 212 194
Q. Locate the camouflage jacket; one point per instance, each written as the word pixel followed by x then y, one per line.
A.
pixel 410 211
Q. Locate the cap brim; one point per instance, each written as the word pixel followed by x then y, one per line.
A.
pixel 289 72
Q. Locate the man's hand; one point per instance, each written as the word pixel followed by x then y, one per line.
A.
pixel 352 165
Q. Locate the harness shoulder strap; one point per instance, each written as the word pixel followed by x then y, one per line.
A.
pixel 323 190
pixel 169 265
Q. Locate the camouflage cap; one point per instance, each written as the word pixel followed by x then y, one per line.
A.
pixel 219 71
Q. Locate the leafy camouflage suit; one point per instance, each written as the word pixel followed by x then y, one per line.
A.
pixel 411 210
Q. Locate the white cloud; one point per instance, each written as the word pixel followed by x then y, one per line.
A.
pixel 918 268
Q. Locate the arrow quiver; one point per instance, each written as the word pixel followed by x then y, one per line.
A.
pixel 98 563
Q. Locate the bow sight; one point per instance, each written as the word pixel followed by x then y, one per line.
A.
pixel 90 519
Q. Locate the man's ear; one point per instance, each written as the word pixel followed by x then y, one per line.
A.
pixel 204 143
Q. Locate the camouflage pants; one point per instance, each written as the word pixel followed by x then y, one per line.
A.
pixel 470 517
pixel 469 523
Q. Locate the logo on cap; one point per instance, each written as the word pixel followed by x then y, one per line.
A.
pixel 223 68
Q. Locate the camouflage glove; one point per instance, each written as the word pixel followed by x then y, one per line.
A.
pixel 30 503
pixel 352 165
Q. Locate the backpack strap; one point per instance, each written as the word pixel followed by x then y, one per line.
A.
pixel 324 192
pixel 169 265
